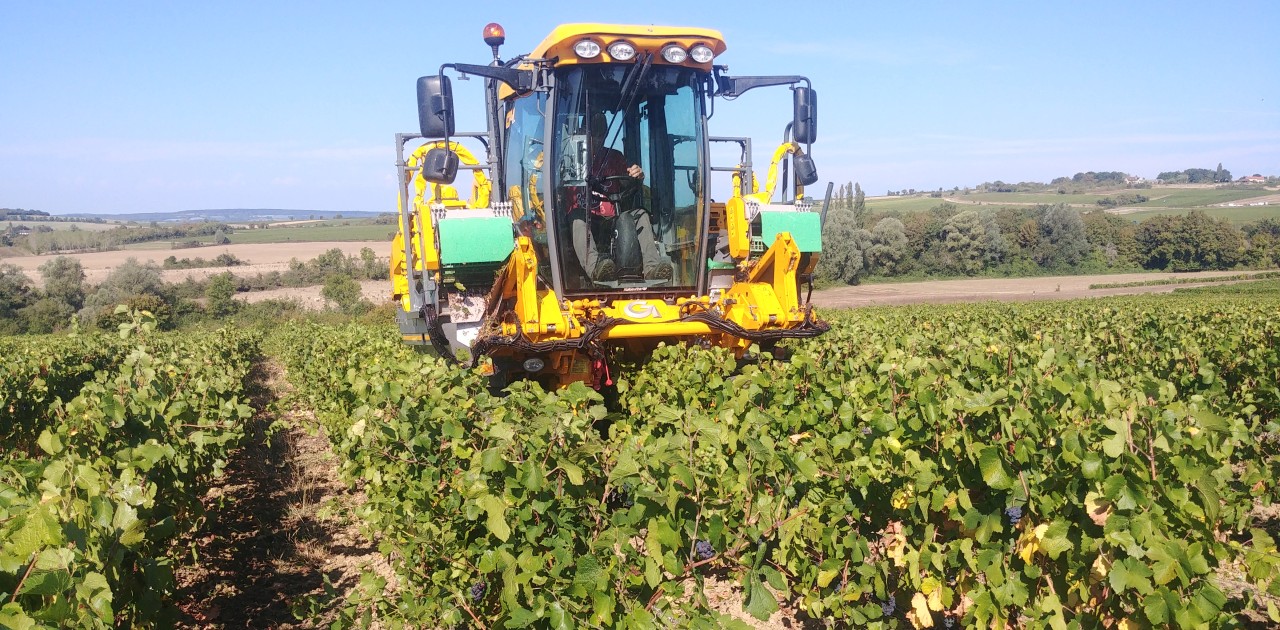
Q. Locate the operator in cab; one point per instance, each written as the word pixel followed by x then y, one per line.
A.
pixel 613 194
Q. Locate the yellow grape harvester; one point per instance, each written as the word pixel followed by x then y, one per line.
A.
pixel 589 233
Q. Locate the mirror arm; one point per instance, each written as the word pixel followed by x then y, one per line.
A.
pixel 731 87
pixel 519 80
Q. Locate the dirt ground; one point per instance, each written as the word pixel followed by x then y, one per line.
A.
pixel 376 291
pixel 998 289
pixel 278 531
pixel 262 257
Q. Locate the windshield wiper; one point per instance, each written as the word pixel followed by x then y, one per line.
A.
pixel 630 87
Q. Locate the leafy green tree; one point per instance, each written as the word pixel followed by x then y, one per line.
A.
pixel 1028 235
pixel 859 204
pixel 1202 242
pixel 343 291
pixel 46 315
pixel 126 282
pixel 220 295
pixel 1112 237
pixel 64 280
pixel 1191 242
pixel 964 243
pixel 1264 250
pixel 16 293
pixel 995 248
pixel 1155 237
pixel 373 268
pixel 889 251
pixel 1263 242
pixel 333 261
pixel 1064 242
pixel 844 248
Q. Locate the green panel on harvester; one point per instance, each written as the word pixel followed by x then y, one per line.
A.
pixel 805 228
pixel 475 240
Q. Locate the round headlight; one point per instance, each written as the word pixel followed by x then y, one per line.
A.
pixel 674 54
pixel 622 51
pixel 701 53
pixel 534 364
pixel 586 49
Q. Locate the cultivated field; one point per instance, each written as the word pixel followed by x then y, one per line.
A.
pixel 1232 204
pixel 262 257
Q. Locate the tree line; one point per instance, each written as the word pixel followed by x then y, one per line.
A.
pixel 66 299
pixel 41 239
pixel 947 240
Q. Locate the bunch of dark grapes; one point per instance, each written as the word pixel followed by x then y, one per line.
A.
pixel 948 622
pixel 1014 514
pixel 889 606
pixel 703 550
pixel 477 590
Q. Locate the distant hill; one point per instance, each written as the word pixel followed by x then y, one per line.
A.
pixel 232 215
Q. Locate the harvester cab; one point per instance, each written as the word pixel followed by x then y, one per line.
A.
pixel 589 234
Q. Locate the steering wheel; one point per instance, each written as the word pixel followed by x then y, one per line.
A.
pixel 627 186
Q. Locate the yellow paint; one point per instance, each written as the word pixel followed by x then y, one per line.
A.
pixel 420 224
pixel 771 179
pixel 735 220
pixel 651 39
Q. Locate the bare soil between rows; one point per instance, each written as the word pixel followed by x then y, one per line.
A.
pixel 275 532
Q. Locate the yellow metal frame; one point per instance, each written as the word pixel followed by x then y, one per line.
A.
pixel 426 194
pixel 524 320
pixel 767 298
pixel 735 214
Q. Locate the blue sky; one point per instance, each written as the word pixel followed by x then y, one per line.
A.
pixel 140 106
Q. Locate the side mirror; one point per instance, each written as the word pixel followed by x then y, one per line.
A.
pixel 804 125
pixel 435 106
pixel 806 171
pixel 440 166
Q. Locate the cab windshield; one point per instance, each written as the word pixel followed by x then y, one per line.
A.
pixel 627 177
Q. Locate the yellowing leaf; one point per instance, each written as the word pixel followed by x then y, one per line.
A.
pixel 357 428
pixel 1098 508
pixel 935 600
pixel 825 577
pixel 1101 565
pixel 897 549
pixel 919 615
pixel 929 585
pixel 1031 542
pixel 795 439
